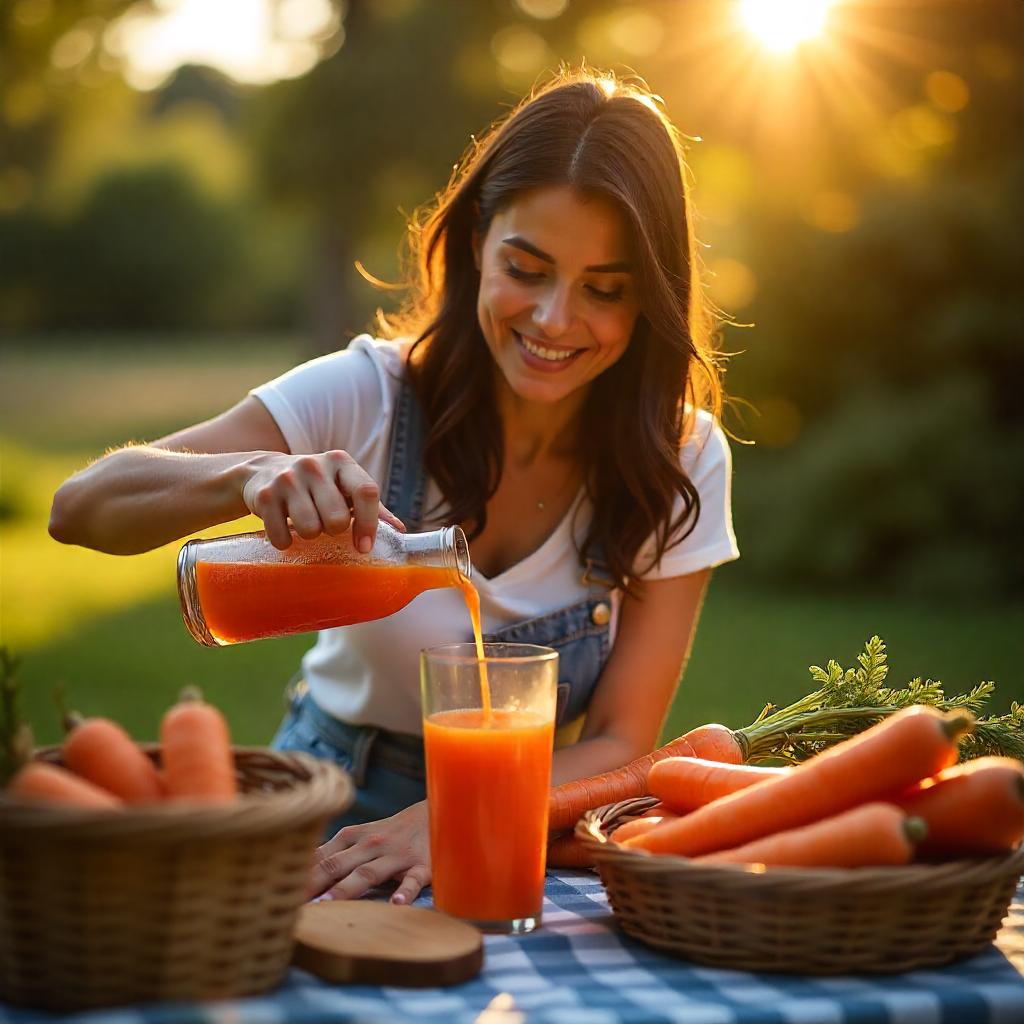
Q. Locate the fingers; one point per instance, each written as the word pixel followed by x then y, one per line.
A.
pixel 331 507
pixel 361 857
pixel 390 518
pixel 327 863
pixel 266 504
pixel 347 858
pixel 364 497
pixel 412 884
pixel 326 493
pixel 302 509
pixel 368 876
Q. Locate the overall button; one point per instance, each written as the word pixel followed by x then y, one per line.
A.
pixel 294 692
pixel 602 613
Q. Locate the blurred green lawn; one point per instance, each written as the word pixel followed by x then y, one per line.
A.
pixel 109 630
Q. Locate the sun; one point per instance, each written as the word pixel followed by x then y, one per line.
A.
pixel 781 25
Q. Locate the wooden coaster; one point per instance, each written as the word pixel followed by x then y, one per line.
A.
pixel 366 942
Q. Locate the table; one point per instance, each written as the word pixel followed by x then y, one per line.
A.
pixel 579 969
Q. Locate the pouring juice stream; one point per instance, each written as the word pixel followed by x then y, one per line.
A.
pixel 472 599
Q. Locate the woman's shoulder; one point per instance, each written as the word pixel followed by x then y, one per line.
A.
pixel 337 400
pixel 705 444
pixel 388 355
pixel 369 366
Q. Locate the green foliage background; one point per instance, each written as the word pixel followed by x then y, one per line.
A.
pixel 162 251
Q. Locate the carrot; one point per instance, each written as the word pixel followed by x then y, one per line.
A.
pixel 871 834
pixel 976 807
pixel 102 752
pixel 893 754
pixel 49 783
pixel 569 800
pixel 566 851
pixel 716 743
pixel 198 763
pixel 638 826
pixel 686 783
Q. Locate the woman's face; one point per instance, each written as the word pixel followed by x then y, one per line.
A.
pixel 558 296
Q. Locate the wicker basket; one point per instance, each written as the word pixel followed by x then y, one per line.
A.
pixel 169 901
pixel 806 921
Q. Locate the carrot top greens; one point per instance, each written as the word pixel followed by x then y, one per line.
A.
pixel 850 700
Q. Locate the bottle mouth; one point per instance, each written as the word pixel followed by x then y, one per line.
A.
pixel 459 544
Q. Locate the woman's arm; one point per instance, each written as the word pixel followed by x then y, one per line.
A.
pixel 624 720
pixel 652 645
pixel 139 497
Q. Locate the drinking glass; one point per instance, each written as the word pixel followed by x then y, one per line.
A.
pixel 488 779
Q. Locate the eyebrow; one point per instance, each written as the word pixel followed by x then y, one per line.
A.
pixel 618 267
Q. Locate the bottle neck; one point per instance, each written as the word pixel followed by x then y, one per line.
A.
pixel 446 548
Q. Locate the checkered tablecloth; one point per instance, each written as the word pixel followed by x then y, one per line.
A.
pixel 579 969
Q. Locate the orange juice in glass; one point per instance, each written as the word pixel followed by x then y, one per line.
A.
pixel 488 739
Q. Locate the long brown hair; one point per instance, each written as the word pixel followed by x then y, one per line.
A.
pixel 598 135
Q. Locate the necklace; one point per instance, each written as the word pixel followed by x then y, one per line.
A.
pixel 558 490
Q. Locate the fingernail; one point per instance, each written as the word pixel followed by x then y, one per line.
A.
pixel 398 898
pixel 365 544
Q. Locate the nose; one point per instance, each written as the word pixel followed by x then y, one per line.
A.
pixel 553 315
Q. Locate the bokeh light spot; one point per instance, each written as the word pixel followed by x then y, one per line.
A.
pixel 519 50
pixel 542 10
pixel 29 13
pixel 947 91
pixel 250 40
pixel 636 32
pixel 306 19
pixel 731 284
pixel 921 127
pixel 72 48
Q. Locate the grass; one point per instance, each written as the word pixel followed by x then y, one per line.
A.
pixel 85 394
pixel 109 629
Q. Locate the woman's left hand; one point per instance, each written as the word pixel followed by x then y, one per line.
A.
pixel 360 857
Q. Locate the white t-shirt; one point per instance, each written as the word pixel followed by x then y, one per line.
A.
pixel 368 674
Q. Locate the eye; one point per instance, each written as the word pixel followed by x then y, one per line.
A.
pixel 521 275
pixel 606 296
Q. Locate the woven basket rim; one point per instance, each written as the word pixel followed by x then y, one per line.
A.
pixel 323 790
pixel 590 831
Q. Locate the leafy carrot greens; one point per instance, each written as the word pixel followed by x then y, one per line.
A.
pixel 850 700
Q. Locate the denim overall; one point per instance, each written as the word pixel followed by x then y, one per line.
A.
pixel 388 767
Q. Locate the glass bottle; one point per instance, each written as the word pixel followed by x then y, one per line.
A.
pixel 241 587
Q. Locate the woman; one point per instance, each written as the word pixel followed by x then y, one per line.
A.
pixel 550 388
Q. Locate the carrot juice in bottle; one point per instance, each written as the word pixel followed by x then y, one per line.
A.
pixel 240 588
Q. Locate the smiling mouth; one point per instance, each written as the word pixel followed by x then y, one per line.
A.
pixel 552 356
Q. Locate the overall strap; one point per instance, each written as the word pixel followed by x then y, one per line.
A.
pixel 596 574
pixel 407 482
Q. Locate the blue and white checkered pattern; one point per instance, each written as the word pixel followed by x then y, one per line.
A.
pixel 579 969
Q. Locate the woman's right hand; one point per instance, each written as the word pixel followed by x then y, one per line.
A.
pixel 325 493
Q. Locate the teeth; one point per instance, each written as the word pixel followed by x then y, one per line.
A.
pixel 546 353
